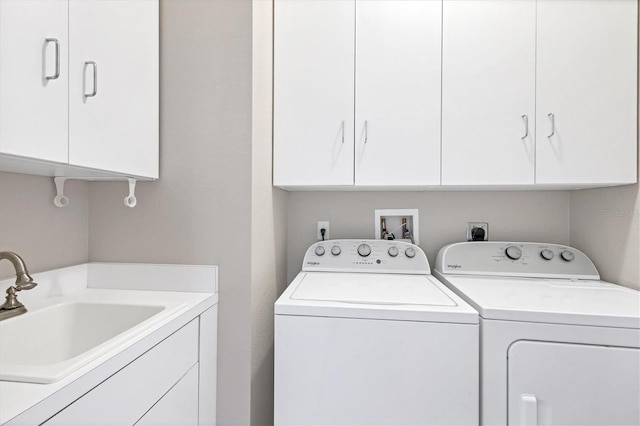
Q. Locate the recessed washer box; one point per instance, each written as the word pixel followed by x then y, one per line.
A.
pixel 393 219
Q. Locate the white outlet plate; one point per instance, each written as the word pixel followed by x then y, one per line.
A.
pixel 483 225
pixel 394 222
pixel 323 224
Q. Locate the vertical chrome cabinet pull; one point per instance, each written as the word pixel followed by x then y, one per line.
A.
pixel 342 131
pixel 366 131
pixel 525 117
pixel 95 79
pixel 57 72
pixel 553 124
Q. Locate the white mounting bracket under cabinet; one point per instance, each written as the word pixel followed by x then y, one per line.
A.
pixel 62 200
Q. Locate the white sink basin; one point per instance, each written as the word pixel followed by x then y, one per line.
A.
pixel 46 345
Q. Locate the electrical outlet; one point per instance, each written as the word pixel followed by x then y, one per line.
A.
pixel 323 224
pixel 477 231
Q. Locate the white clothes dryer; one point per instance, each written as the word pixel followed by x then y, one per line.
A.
pixel 364 335
pixel 558 345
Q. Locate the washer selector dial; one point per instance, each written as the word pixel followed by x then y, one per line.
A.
pixel 567 255
pixel 364 250
pixel 546 254
pixel 513 252
pixel 393 251
pixel 336 250
pixel 410 252
pixel 319 251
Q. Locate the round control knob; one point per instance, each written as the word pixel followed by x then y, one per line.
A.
pixel 567 255
pixel 393 251
pixel 336 250
pixel 513 252
pixel 319 251
pixel 364 250
pixel 410 252
pixel 546 254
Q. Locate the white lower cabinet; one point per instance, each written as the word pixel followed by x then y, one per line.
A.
pixel 129 395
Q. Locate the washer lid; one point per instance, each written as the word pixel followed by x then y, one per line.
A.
pixel 374 289
pixel 557 301
pixel 374 296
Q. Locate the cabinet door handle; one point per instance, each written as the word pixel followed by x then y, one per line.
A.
pixel 553 124
pixel 95 79
pixel 366 131
pixel 525 117
pixel 57 72
pixel 342 131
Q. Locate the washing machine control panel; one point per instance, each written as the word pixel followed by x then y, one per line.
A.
pixel 371 256
pixel 536 260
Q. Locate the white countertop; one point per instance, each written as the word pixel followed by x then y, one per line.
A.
pixel 31 403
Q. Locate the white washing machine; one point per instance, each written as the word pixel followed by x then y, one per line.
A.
pixel 364 335
pixel 558 345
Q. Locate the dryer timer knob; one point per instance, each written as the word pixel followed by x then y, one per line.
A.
pixel 393 251
pixel 567 255
pixel 513 252
pixel 319 251
pixel 546 254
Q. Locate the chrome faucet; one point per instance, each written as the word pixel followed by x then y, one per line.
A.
pixel 12 307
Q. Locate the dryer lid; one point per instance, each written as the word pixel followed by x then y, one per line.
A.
pixel 556 301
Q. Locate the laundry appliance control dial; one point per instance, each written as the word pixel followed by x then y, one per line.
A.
pixel 513 252
pixel 546 254
pixel 336 250
pixel 319 251
pixel 364 250
pixel 393 251
pixel 410 252
pixel 567 255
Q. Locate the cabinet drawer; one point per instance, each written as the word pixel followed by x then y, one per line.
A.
pixel 127 395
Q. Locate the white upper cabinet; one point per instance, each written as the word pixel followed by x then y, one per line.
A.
pixel 357 93
pixel 314 92
pixel 79 87
pixel 397 110
pixel 113 92
pixel 488 92
pixel 34 79
pixel 587 81
pixel 455 93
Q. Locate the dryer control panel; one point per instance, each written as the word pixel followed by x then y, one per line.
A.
pixel 515 259
pixel 370 256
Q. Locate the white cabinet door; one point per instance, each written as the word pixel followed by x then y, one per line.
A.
pixel 34 79
pixel 313 92
pixel 114 53
pixel 586 78
pixel 488 92
pixel 397 113
pixel 178 407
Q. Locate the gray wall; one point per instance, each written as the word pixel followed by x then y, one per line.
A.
pixel 525 216
pixel 47 237
pixel 268 224
pixel 605 225
pixel 199 212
